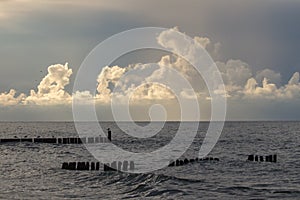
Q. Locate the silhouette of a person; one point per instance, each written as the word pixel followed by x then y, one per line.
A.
pixel 109 134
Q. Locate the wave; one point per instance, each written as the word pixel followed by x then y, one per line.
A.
pixel 145 185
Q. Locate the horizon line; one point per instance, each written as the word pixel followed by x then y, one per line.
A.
pixel 70 121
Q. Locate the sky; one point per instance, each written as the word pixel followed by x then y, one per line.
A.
pixel 255 44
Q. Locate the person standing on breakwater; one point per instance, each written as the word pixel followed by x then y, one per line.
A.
pixel 109 134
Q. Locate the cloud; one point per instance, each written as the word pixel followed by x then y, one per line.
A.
pixel 241 84
pixel 271 75
pixel 152 92
pixel 142 82
pixel 266 91
pixel 290 91
pixel 181 44
pixel 50 90
pixel 148 83
pixel 10 99
pixel 235 74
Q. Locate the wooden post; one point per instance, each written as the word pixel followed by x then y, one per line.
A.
pixel 106 167
pixel 81 166
pixel 92 166
pixel 109 134
pixel 64 141
pixel 186 161
pixel 87 166
pixel 79 141
pixel 125 165
pixel 114 165
pixel 131 165
pixel 251 157
pixel 91 140
pixel 72 165
pixel 261 158
pixel 65 165
pixel 119 166
pixel 181 162
pixel 72 140
pixel 171 164
pixel 271 158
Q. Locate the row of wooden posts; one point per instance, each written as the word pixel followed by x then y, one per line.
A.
pixel 129 165
pixel 122 166
pixel 68 140
pixel 269 158
pixel 96 166
pixel 187 161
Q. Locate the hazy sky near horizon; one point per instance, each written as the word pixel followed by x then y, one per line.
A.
pixel 255 39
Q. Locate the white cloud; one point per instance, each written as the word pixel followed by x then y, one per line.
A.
pixel 152 92
pixel 9 98
pixel 144 81
pixel 51 88
pixel 267 90
pixel 290 91
pixel 107 80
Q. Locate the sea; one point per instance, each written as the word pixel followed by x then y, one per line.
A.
pixel 34 170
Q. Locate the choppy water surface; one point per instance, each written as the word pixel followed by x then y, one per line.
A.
pixel 34 170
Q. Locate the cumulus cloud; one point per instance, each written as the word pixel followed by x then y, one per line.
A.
pixel 50 91
pixel 10 98
pixel 145 81
pixel 152 92
pixel 51 88
pixel 144 84
pixel 181 44
pixel 270 91
pixel 235 74
pixel 266 91
pixel 107 80
pixel 241 84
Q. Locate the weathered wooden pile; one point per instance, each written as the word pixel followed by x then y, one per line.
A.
pixel 96 166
